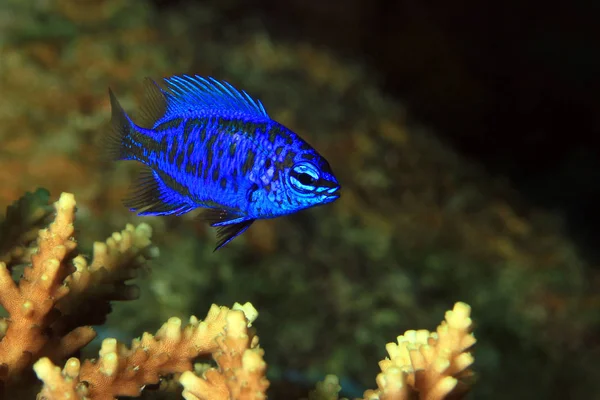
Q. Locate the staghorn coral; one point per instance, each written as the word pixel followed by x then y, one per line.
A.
pixel 422 364
pixel 434 365
pixel 122 371
pixel 60 294
pixel 45 305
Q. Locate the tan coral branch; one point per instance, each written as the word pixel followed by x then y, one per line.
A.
pixel 31 301
pixel 432 365
pixel 122 371
pixel 241 368
pixel 58 297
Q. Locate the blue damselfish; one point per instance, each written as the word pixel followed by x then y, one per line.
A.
pixel 204 143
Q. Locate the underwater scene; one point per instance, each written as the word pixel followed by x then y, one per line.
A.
pixel 225 200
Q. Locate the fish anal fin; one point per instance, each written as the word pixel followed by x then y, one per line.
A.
pixel 149 195
pixel 226 233
pixel 155 104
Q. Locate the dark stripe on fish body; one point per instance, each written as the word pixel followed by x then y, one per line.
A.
pixel 232 148
pixel 305 146
pixel 190 150
pixel 164 143
pixel 268 163
pixel 258 128
pixel 215 174
pixel 223 183
pixel 206 169
pixel 289 158
pixel 274 131
pixel 278 151
pixel 209 152
pixel 165 126
pixel 202 133
pixel 275 175
pixel 190 168
pixel 249 163
pixel 246 127
pixel 199 168
pixel 210 143
pixel 308 156
pixel 285 135
pixel 268 188
pixel 179 160
pixel 220 155
pixel 190 124
pixel 173 151
pixel 173 184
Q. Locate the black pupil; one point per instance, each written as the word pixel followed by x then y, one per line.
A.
pixel 305 179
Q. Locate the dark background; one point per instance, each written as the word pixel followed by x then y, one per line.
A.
pixel 512 85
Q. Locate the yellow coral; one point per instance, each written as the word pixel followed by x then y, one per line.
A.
pixel 122 371
pixel 60 294
pixel 43 321
pixel 432 365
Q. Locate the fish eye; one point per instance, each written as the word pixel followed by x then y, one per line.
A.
pixel 303 177
pixel 306 179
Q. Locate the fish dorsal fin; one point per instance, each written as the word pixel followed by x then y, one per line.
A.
pixel 197 94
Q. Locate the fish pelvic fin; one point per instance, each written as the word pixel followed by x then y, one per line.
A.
pixel 227 233
pixel 149 195
pixel 122 127
pixel 229 224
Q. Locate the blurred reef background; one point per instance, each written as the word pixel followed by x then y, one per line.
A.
pixel 465 135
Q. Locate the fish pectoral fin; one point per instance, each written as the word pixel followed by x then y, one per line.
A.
pixel 226 233
pixel 149 195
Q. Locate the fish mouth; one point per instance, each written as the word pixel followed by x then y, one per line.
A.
pixel 334 192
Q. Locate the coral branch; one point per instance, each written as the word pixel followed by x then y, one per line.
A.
pixel 122 371
pixel 241 372
pixel 432 365
pixel 421 365
pixel 93 286
pixel 58 296
pixel 38 290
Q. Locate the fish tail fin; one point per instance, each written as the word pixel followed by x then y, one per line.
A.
pixel 122 127
pixel 155 105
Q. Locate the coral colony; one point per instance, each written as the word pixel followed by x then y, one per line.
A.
pixel 60 294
